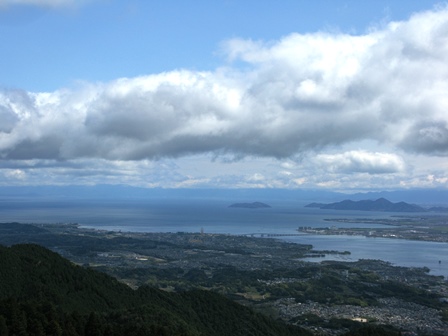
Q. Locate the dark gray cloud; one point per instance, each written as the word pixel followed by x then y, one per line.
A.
pixel 8 119
pixel 428 137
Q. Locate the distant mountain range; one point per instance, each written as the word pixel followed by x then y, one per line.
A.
pixel 254 205
pixel 380 204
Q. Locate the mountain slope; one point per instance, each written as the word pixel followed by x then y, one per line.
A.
pixel 39 290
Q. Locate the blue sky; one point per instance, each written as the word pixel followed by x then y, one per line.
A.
pixel 48 47
pixel 346 95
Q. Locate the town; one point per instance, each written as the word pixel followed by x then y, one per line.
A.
pixel 426 228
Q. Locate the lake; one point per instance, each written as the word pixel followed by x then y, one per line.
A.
pixel 215 216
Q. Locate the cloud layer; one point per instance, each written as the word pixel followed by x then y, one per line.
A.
pixel 282 99
pixel 361 162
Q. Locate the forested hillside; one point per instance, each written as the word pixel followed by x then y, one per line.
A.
pixel 42 293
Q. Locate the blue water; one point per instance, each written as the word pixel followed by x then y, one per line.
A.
pixel 216 217
pixel 399 252
pixel 174 216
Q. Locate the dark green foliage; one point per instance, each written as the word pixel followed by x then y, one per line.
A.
pixel 196 275
pixel 3 326
pixel 222 318
pixel 94 325
pixel 43 294
pixel 34 273
pixel 412 294
pixel 444 314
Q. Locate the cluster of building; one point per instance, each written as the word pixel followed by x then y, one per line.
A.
pixel 407 316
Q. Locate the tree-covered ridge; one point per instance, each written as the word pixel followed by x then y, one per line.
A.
pixel 42 293
pixel 33 272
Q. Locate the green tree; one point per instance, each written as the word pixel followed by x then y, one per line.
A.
pixel 18 320
pixel 54 329
pixel 3 326
pixel 35 328
pixel 93 326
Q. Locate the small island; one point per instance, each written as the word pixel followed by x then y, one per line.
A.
pixel 254 205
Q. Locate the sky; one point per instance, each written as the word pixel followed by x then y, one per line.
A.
pixel 324 94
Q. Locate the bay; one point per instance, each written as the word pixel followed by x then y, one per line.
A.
pixel 399 252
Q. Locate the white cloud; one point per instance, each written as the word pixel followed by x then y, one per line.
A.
pixel 257 177
pixel 361 162
pixel 301 94
pixel 425 181
pixel 15 174
pixel 299 181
